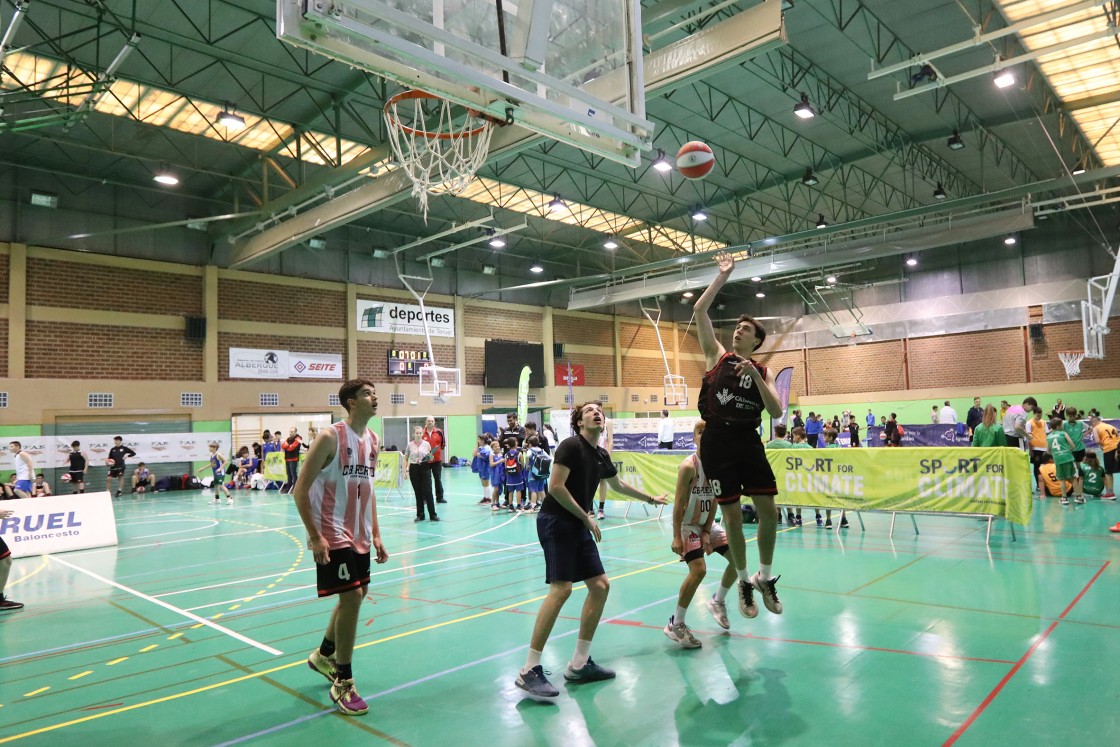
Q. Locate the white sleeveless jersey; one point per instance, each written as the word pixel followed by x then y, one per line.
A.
pixel 605 437
pixel 701 497
pixel 342 495
pixel 23 469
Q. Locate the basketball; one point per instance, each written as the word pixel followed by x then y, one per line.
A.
pixel 695 160
pixel 65 477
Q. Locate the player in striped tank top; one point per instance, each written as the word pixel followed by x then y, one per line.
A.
pixel 696 534
pixel 335 499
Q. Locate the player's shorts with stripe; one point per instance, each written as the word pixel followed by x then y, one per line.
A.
pixel 570 552
pixel 693 549
pixel 735 464
pixel 347 569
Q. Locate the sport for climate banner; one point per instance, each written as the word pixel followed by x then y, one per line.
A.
pixel 153 448
pixel 964 481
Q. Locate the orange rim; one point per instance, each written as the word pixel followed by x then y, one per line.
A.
pixel 410 95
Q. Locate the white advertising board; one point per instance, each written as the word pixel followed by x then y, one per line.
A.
pixel 58 523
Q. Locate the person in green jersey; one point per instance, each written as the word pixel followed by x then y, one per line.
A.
pixel 780 441
pixel 990 431
pixel 1092 475
pixel 800 441
pixel 1076 430
pixel 830 442
pixel 1060 446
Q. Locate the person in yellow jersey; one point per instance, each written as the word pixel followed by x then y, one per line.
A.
pixel 1048 479
pixel 1108 439
pixel 1036 427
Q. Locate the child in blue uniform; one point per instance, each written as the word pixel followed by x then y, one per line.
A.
pixel 217 465
pixel 514 475
pixel 497 475
pixel 480 465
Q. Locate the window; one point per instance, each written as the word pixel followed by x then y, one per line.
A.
pixel 568 399
pixel 635 398
pixel 270 399
pixel 396 398
pixel 488 399
pixel 99 399
pixel 332 400
pixel 531 399
pixel 190 399
pixel 604 398
pixel 3 399
pixel 653 398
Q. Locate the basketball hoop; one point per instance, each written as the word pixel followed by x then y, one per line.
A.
pixel 438 150
pixel 1072 361
pixel 439 382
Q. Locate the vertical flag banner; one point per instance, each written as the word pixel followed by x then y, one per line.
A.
pixel 782 383
pixel 523 395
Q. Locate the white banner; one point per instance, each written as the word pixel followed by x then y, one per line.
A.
pixel 314 366
pixel 404 319
pixel 59 523
pixel 247 363
pixel 151 448
pixel 252 363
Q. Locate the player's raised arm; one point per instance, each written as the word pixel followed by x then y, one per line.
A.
pixel 704 329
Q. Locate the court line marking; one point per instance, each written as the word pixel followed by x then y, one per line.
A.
pixel 213 523
pixel 1022 660
pixel 115 548
pixel 171 607
pixel 29 574
pixel 299 662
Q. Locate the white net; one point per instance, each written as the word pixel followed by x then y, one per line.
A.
pixel 676 391
pixel 1072 363
pixel 439 382
pixel 440 152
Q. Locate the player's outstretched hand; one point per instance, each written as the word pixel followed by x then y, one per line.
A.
pixel 725 262
pixel 4 513
pixel 660 500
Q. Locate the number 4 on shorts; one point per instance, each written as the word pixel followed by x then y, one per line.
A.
pixel 344 572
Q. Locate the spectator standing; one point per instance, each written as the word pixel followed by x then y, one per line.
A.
pixel 813 428
pixel 530 431
pixel 116 459
pixel 934 416
pixel 665 431
pixel 798 421
pixel 436 440
pixel 975 415
pixel 948 415
pixel 418 452
pixel 79 463
pixel 292 447
pixel 870 418
pixel 1108 439
pixel 988 432
pixel 893 437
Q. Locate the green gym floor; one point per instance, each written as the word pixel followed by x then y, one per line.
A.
pixel 923 640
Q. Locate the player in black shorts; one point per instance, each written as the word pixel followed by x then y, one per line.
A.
pixel 79 463
pixel 568 533
pixel 116 464
pixel 733 395
pixel 6 605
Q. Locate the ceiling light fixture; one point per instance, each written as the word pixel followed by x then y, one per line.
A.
pixel 557 205
pixel 939 193
pixel 756 279
pixel 699 215
pixel 380 254
pixel 688 294
pixel 831 279
pixel 1009 241
pixel 497 241
pixel 439 262
pixel 1079 169
pixel 165 176
pixel 610 243
pixel 803 108
pixel 489 269
pixel 821 222
pixel 661 163
pixel 44 199
pixel 911 261
pixel 760 294
pixel 536 268
pixel 810 179
pixel 955 142
pixel 317 243
pixel 230 120
pixel 1004 78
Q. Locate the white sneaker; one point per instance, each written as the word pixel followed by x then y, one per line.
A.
pixel 719 612
pixel 768 590
pixel 230 501
pixel 1064 501
pixel 1079 499
pixel 679 633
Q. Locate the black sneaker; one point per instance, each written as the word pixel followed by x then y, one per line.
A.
pixel 843 523
pixel 118 494
pixel 747 607
pixel 589 672
pixel 7 605
pixel 768 590
pixel 536 685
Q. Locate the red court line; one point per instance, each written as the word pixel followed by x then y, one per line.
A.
pixel 1019 664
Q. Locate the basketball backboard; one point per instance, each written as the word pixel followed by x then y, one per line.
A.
pixel 537 63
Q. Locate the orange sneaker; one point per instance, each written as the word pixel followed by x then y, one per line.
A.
pixel 1115 528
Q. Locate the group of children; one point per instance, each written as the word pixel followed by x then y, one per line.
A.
pixel 798 439
pixel 1063 466
pixel 517 473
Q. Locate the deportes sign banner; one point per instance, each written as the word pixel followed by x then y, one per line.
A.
pixel 404 319
pixel 152 448
pixel 251 363
pixel 59 523
pixel 959 481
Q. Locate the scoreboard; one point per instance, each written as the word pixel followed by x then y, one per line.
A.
pixel 407 362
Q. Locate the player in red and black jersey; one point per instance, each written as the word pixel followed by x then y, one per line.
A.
pixel 733 395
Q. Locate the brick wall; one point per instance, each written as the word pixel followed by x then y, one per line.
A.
pixel 581 330
pixel 776 361
pixel 85 286
pixel 227 340
pixel 640 370
pixel 474 367
pixel 968 359
pixel 1056 338
pixel 92 351
pixel 498 323
pixel 851 369
pixel 373 360
pixel 3 278
pixel 3 347
pixel 598 370
pixel 248 301
pixel 642 337
pixel 689 342
pixel 692 371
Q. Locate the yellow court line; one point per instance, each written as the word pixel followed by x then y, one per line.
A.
pixel 79 675
pixel 36 692
pixel 173 637
pixel 149 648
pixel 21 579
pixel 116 661
pixel 300 662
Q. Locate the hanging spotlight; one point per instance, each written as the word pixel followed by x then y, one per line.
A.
pixel 803 108
pixel 756 279
pixel 230 120
pixel 439 262
pixel 1004 78
pixel 536 268
pixel 557 205
pixel 760 294
pixel 1079 169
pixel 810 179
pixel 610 243
pixel 1009 241
pixel 939 193
pixel 831 279
pixel 955 142
pixel 489 269
pixel 688 294
pixel 698 214
pixel 165 175
pixel 911 261
pixel 497 241
pixel 821 222
pixel 380 254
pixel 661 163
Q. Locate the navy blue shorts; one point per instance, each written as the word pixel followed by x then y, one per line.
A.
pixel 570 552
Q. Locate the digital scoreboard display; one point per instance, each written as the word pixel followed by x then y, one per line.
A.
pixel 407 362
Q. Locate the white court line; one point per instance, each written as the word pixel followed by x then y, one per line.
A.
pixel 212 523
pixel 114 548
pixel 165 605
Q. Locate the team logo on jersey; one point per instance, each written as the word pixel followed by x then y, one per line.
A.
pixel 724 396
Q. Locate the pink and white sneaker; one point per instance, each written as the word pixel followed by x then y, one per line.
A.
pixel 347 699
